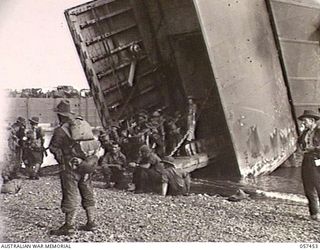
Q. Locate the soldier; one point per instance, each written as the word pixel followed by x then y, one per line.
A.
pixel 9 158
pixel 178 180
pixel 157 133
pixel 310 144
pixel 114 165
pixel 172 135
pixel 149 174
pixel 18 132
pixel 191 123
pixel 139 131
pixel 114 132
pixel 73 181
pixel 137 136
pixel 33 149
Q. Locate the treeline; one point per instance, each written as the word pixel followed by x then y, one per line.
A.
pixel 58 92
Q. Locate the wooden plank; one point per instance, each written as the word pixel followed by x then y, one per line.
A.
pixel 81 9
pixel 88 68
pixel 117 68
pixel 123 83
pixel 108 35
pixel 191 163
pixel 104 17
pixel 111 40
pixel 114 51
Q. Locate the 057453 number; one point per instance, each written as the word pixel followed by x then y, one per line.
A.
pixel 308 245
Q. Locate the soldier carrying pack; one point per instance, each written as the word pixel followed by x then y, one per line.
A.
pixel 86 149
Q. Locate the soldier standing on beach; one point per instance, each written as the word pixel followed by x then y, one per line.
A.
pixel 310 143
pixel 18 131
pixel 33 149
pixel 73 181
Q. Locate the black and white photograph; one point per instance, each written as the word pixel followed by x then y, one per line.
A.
pixel 159 121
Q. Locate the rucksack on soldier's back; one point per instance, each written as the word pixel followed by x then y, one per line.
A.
pixel 85 148
pixel 81 133
pixel 84 142
pixel 80 130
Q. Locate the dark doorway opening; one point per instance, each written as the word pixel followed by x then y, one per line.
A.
pixel 197 80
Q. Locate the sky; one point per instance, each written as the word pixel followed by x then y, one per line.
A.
pixel 36 47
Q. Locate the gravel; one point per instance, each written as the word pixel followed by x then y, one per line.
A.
pixel 126 217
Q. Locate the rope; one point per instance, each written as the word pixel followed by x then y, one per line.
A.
pixel 180 143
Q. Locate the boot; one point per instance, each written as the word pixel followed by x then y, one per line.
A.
pixel 68 227
pixel 91 225
pixel 36 171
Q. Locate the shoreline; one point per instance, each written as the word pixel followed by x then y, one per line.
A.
pixel 127 217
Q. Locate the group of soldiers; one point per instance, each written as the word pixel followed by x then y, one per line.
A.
pixel 142 147
pixel 143 138
pixel 135 149
pixel 161 131
pixel 26 145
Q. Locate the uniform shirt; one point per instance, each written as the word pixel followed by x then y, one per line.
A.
pixel 37 139
pixel 19 131
pixel 112 158
pixel 310 139
pixel 61 145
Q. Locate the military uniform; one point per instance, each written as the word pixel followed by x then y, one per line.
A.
pixel 149 179
pixel 113 165
pixel 155 133
pixel 18 133
pixel 310 172
pixel 73 181
pixel 178 181
pixel 173 135
pixel 33 150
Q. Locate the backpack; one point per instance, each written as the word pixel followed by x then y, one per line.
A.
pixel 85 144
pixel 81 130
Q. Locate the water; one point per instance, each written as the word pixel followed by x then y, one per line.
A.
pixel 284 183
